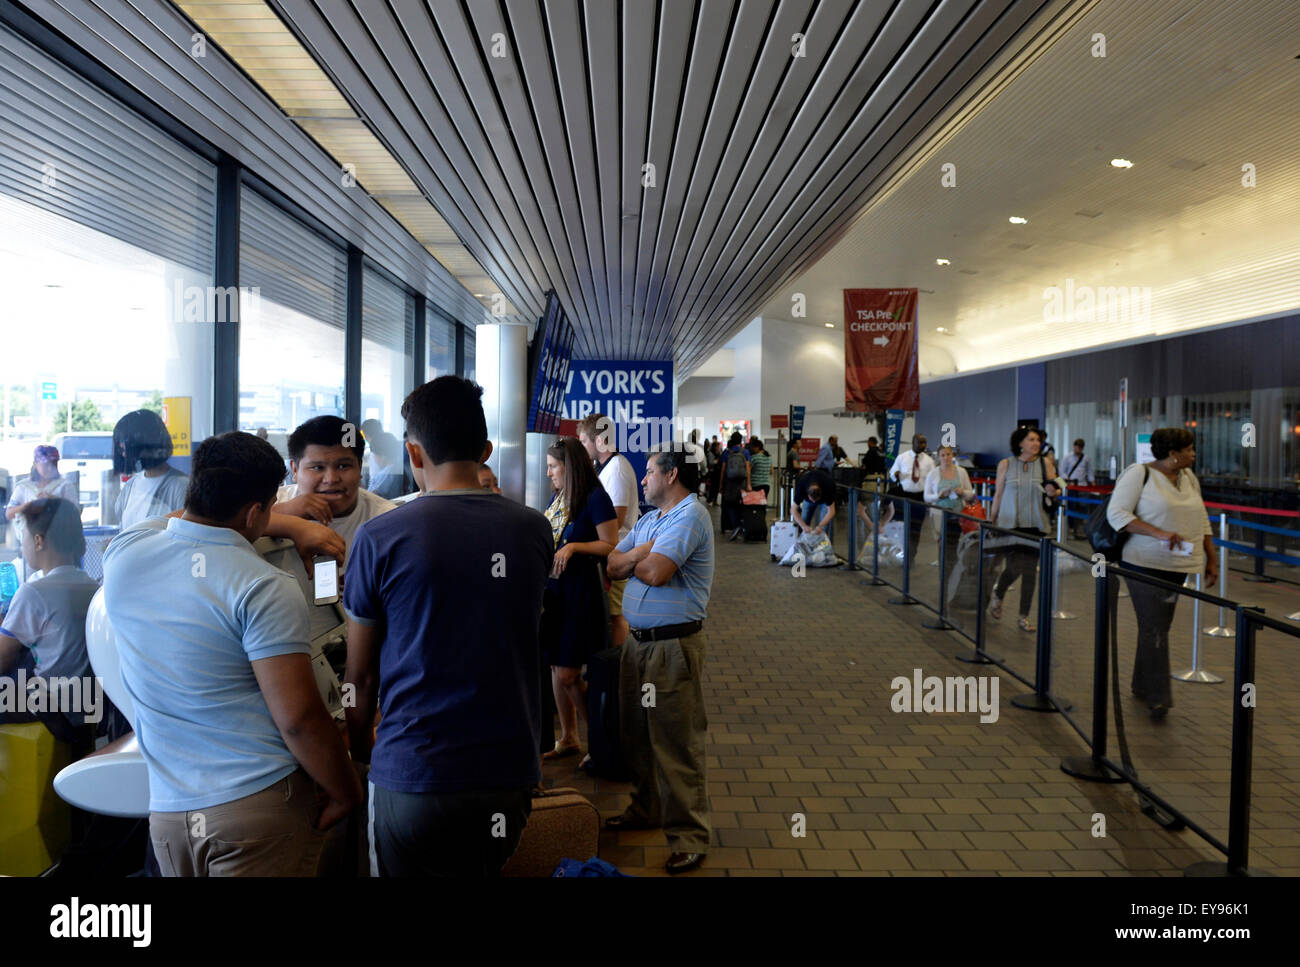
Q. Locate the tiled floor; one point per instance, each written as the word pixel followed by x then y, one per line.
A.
pixel 798 688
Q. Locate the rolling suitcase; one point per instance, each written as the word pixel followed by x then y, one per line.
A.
pixel 783 534
pixel 754 522
pixel 562 825
pixel 603 742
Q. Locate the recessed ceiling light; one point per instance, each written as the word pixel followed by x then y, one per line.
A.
pixel 1120 163
pixel 1017 220
pixel 830 325
pixel 478 295
pixel 940 329
pixel 942 262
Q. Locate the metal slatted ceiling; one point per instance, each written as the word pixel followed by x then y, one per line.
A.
pixel 535 158
pixel 147 43
pixel 111 170
pixel 1190 90
pixel 291 264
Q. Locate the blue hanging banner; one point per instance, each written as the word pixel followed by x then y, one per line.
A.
pixel 796 422
pixel 893 431
pixel 637 396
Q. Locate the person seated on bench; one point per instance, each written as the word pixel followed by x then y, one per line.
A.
pixel 43 635
pixel 813 507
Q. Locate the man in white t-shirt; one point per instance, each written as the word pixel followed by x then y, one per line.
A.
pixel 325 455
pixel 596 433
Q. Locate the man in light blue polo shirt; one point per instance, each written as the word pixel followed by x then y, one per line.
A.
pixel 668 561
pixel 214 649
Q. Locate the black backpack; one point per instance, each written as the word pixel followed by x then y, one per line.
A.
pixel 736 464
pixel 1105 540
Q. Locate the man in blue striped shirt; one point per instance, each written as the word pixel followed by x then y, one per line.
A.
pixel 668 561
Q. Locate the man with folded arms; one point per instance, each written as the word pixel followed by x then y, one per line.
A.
pixel 667 560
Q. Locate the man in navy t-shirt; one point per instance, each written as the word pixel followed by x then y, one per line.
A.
pixel 444 597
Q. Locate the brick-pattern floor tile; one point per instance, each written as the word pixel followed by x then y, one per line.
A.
pixel 802 724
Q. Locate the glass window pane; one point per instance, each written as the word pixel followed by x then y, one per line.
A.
pixel 106 258
pixel 469 353
pixel 293 308
pixel 387 333
pixel 441 340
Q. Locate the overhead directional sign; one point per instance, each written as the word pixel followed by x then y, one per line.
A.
pixel 880 350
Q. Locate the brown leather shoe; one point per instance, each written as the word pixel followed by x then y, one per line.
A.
pixel 625 821
pixel 683 862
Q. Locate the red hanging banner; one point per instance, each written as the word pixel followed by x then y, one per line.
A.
pixel 880 350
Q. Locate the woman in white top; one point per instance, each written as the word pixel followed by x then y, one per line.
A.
pixel 44 481
pixel 1159 506
pixel 141 448
pixel 948 486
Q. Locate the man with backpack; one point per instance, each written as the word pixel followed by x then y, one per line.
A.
pixel 735 483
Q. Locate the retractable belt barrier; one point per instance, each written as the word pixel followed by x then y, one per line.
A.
pixel 1097 766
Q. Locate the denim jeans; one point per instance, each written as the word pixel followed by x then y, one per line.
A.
pixel 812 514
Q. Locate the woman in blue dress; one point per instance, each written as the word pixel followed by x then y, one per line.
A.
pixel 574 620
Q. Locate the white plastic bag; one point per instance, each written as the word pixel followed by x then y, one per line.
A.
pixel 815 550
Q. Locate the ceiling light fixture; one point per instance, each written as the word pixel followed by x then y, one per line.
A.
pixel 942 262
pixel 1120 163
pixel 830 325
pixel 1017 220
pixel 940 329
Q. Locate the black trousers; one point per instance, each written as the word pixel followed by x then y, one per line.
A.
pixel 1154 608
pixel 1021 562
pixel 461 834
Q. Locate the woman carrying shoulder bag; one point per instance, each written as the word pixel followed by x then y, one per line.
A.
pixel 1022 483
pixel 1159 506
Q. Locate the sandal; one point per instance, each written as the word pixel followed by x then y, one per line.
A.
pixel 995 608
pixel 1024 625
pixel 561 752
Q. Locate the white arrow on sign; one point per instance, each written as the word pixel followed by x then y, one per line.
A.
pixel 881 340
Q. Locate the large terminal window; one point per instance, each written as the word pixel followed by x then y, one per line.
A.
pixel 470 341
pixel 441 342
pixel 106 261
pixel 293 309
pixel 387 337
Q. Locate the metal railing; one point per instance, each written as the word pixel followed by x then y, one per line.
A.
pixel 1052 557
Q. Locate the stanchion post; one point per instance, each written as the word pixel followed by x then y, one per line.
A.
pixel 1057 613
pixel 1091 768
pixel 853 530
pixel 1259 576
pixel 1221 630
pixel 907 556
pixel 875 540
pixel 1037 700
pixel 1243 745
pixel 941 622
pixel 1196 673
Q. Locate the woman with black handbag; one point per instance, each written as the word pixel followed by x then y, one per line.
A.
pixel 1025 487
pixel 1158 507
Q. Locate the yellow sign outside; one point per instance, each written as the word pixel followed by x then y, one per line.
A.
pixel 176 414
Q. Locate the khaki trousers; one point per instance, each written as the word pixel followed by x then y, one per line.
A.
pixel 270 833
pixel 664 734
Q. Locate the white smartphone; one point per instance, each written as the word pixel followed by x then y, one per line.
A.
pixel 326 579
